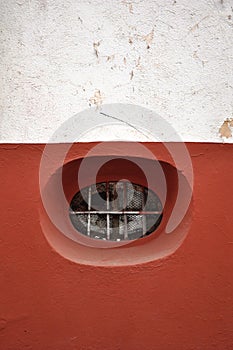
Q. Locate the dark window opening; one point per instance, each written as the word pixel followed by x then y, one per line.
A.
pixel 116 211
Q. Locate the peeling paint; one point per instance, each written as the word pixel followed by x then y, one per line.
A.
pixel 131 75
pixel 110 58
pixel 225 129
pixel 96 48
pixel 196 26
pixel 97 99
pixel 149 38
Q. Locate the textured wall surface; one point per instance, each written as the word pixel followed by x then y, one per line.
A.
pixel 181 302
pixel 59 57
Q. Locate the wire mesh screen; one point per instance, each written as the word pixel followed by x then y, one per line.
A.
pixel 115 211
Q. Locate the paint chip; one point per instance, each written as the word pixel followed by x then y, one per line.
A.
pixel 110 58
pixel 196 26
pixel 148 38
pixel 131 75
pixel 97 99
pixel 225 129
pixel 131 7
pixel 96 47
pixel 138 61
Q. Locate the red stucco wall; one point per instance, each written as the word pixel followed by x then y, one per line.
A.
pixel 183 301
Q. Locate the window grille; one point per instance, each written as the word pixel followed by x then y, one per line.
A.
pixel 115 211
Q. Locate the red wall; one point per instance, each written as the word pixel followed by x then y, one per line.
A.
pixel 183 301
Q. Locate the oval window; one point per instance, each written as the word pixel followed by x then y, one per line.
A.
pixel 115 211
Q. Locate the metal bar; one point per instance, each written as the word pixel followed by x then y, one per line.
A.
pixel 143 217
pixel 89 213
pixel 115 226
pixel 115 212
pixel 125 216
pixel 108 223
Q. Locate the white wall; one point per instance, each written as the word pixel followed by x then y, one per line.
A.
pixel 51 68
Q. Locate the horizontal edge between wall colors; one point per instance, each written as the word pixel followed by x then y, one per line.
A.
pixel 121 123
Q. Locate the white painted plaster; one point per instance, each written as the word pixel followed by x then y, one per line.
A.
pixel 50 69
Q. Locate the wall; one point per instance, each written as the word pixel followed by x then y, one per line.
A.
pixel 174 57
pixel 60 58
pixel 183 301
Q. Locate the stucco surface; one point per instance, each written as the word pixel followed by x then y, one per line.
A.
pixel 180 302
pixel 60 57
